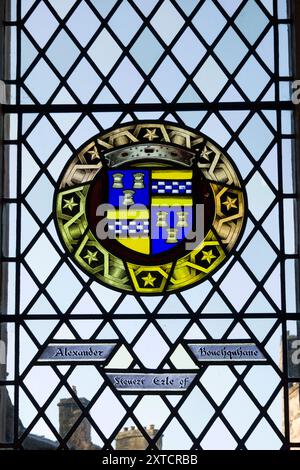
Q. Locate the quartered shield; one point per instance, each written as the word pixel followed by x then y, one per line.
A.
pixel 152 209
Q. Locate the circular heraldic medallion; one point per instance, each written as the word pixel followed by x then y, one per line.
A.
pixel 150 208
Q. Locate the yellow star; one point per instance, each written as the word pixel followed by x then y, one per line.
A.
pixel 70 204
pixel 230 203
pixel 208 256
pixel 91 256
pixel 94 154
pixel 149 280
pixel 205 153
pixel 151 134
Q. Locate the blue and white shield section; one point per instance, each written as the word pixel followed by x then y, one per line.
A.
pixel 170 225
pixel 128 220
pixel 131 229
pixel 152 211
pixel 127 187
pixel 171 208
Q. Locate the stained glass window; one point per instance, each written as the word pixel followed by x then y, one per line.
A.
pixel 73 71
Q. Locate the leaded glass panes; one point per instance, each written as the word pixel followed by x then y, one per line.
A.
pixel 77 68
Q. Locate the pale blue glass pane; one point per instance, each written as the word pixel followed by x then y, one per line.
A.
pixel 218 432
pixel 105 96
pixel 284 60
pixel 259 265
pixel 231 95
pixel 65 121
pixel 251 87
pixel 144 345
pixel 42 82
pixel 273 288
pixel 145 7
pixel 231 6
pixel 186 5
pixel 270 166
pixel 148 96
pixel 62 7
pixel 43 139
pixel 29 228
pixel 210 79
pixel 40 17
pixel 191 118
pixel 125 22
pixel 64 297
pixel 240 159
pixel 251 21
pixel 285 90
pixel 189 50
pixel 146 50
pixel 28 52
pixel 168 79
pixel 235 118
pixel 289 225
pixel 216 304
pixel 83 132
pixel 282 9
pixel 260 196
pixel 83 15
pixel 29 168
pixel 262 374
pixel 175 437
pixel 246 286
pixel 216 130
pixel 196 410
pixel 290 286
pixel 189 96
pixel 242 420
pixel 268 4
pixel 265 50
pixel 63 52
pixel 271 226
pixel 79 77
pixel 167 22
pixel 256 136
pixel 269 94
pixel 63 97
pixel 264 437
pixel 287 165
pixel 40 198
pixel 105 52
pixel 286 122
pixel 104 7
pixel 209 21
pixel 231 50
pixel 60 158
pixel 25 5
pixel 126 80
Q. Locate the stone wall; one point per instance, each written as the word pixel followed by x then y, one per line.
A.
pixel 294 404
pixel 69 412
pixel 132 438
